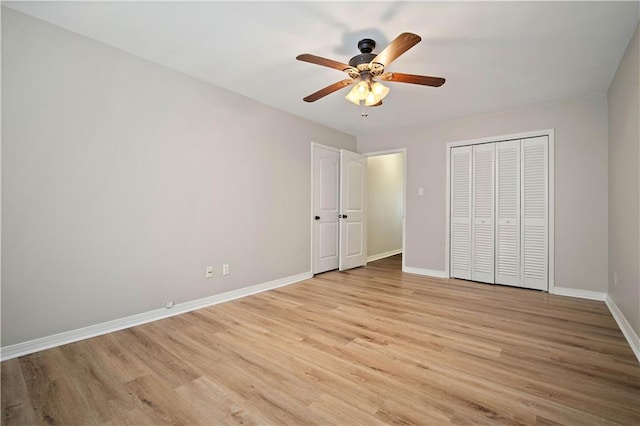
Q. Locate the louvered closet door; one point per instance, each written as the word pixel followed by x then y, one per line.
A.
pixel 535 216
pixel 482 211
pixel 461 212
pixel 507 267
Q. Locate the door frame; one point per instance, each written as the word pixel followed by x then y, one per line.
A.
pixel 402 151
pixel 550 133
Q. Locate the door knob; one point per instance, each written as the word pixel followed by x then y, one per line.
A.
pixel 317 218
pixel 343 216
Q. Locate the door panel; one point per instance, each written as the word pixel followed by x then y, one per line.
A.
pixel 328 241
pixel 508 213
pixel 329 175
pixel 482 238
pixel 354 191
pixel 353 236
pixel 326 175
pixel 535 217
pixel 461 212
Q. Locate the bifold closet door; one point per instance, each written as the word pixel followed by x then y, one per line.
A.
pixel 508 213
pixel 460 233
pixel 482 212
pixel 535 212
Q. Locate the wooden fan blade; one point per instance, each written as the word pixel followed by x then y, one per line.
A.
pixel 397 47
pixel 313 59
pixel 328 90
pixel 424 80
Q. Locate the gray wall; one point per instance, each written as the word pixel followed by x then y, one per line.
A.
pixel 385 181
pixel 580 172
pixel 624 185
pixel 122 180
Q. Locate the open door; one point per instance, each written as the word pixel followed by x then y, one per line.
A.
pixel 353 218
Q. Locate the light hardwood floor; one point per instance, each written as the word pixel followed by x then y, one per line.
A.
pixel 368 346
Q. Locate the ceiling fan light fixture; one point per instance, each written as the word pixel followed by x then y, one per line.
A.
pixel 352 96
pixel 371 99
pixel 380 90
pixel 362 90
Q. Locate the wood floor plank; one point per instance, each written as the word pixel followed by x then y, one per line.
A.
pixel 16 403
pixel 212 402
pixel 160 403
pixel 372 345
pixel 117 359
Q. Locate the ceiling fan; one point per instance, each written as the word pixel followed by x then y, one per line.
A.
pixel 366 69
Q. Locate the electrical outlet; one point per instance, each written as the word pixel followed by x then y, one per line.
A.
pixel 168 304
pixel 225 269
pixel 615 279
pixel 209 272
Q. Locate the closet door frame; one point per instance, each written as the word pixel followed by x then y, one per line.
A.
pixel 550 133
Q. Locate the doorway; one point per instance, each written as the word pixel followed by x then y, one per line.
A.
pixel 339 209
pixel 386 205
pixel 346 211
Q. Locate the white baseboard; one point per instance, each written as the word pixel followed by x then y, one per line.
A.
pixel 428 272
pixel 582 294
pixel 625 327
pixel 383 255
pixel 71 336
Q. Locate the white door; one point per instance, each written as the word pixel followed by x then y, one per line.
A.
pixel 499 212
pixel 353 218
pixel 461 212
pixel 326 176
pixel 508 213
pixel 535 212
pixel 482 213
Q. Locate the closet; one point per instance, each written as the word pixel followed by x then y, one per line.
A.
pixel 499 212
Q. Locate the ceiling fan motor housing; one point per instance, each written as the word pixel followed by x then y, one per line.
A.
pixel 364 58
pixel 365 46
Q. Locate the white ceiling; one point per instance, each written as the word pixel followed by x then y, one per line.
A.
pixel 494 55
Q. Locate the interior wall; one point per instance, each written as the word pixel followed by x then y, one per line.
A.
pixel 122 180
pixel 624 185
pixel 385 181
pixel 580 176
